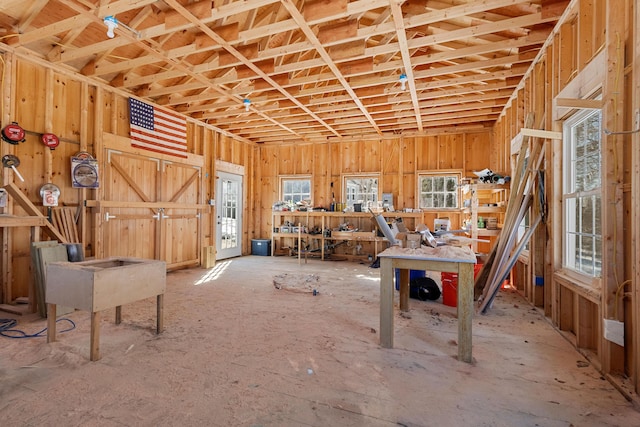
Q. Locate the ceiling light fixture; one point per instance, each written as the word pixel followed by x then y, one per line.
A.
pixel 112 23
pixel 403 81
pixel 247 103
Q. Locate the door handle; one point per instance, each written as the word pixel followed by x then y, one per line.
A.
pixel 160 214
pixel 107 217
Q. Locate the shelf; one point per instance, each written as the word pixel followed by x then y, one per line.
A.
pixel 485 232
pixel 317 214
pixel 478 198
pixel 490 209
pixel 493 188
pixel 358 238
pixel 295 235
pixel 329 220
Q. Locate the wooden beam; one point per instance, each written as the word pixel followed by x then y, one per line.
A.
pixel 538 133
pixel 100 204
pixel 308 32
pixel 401 34
pixel 318 9
pixel 578 104
pixel 185 186
pixel 201 10
pixel 338 31
pixel 31 209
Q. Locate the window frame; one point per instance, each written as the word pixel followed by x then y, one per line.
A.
pixel 440 174
pixel 345 189
pixel 573 195
pixel 284 178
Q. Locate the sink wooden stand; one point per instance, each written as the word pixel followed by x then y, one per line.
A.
pixel 97 285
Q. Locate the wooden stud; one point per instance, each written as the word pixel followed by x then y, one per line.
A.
pixel 612 177
pixel 634 351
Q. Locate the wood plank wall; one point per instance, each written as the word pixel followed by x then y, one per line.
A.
pixel 89 117
pixel 396 161
pixel 591 50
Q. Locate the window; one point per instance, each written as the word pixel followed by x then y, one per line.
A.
pixel 523 227
pixel 295 189
pixel 582 194
pixel 438 191
pixel 360 190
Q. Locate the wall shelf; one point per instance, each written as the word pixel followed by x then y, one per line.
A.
pixel 329 221
pixel 485 201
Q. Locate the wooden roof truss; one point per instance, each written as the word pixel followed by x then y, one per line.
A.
pixel 313 70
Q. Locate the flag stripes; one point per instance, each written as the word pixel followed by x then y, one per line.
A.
pixel 157 130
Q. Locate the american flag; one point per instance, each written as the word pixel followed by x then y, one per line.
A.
pixel 157 130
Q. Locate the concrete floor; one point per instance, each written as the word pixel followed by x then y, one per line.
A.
pixel 238 352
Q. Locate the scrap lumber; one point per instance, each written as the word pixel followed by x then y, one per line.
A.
pixel 482 280
pixel 63 219
pixel 506 252
pixel 33 210
pixel 38 265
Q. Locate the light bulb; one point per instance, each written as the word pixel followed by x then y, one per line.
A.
pixel 403 81
pixel 247 103
pixel 112 23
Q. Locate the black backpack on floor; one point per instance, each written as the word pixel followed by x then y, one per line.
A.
pixel 424 288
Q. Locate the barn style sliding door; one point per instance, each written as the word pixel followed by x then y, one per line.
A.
pixel 150 209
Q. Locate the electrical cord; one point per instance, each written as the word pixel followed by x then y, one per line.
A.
pixel 7 329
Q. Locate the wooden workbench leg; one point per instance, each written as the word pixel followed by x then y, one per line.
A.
pixel 160 304
pixel 465 311
pixel 118 314
pixel 51 322
pixel 94 350
pixel 386 303
pixel 404 289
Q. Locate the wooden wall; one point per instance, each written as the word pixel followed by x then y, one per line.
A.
pixel 396 161
pixel 94 118
pixel 593 50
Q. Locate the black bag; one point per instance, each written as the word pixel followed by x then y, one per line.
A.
pixel 424 288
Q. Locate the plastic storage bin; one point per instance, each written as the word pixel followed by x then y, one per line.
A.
pixel 261 247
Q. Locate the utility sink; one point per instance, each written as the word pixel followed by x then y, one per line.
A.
pixel 100 284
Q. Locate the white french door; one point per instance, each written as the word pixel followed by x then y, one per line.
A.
pixel 228 215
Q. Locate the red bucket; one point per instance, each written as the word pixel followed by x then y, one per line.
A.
pixel 450 286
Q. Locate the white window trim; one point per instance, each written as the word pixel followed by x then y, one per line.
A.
pixel 578 275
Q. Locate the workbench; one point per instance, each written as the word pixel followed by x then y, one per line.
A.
pixel 101 284
pixel 431 260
